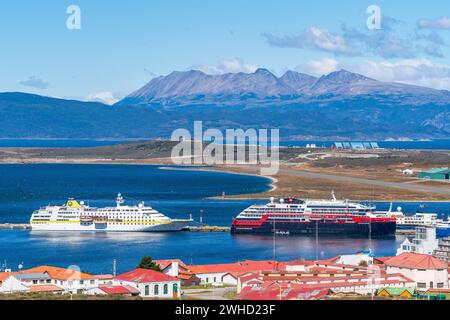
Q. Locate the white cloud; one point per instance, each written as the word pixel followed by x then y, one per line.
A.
pixel 103 97
pixel 441 23
pixel 313 38
pixel 386 42
pixel 35 82
pixel 226 66
pixel 319 67
pixel 421 72
pixel 327 41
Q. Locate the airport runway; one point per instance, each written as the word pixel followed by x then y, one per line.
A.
pixel 379 183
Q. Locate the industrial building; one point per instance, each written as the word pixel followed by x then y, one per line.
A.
pixel 355 145
pixel 435 174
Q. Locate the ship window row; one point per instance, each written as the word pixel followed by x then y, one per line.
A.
pixel 133 224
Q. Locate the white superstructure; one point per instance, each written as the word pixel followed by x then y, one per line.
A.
pixel 305 208
pixel 77 216
pixel 419 219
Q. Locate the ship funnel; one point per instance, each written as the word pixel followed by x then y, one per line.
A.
pixel 119 199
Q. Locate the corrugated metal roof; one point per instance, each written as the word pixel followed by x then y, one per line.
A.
pixel 438 170
pixel 32 276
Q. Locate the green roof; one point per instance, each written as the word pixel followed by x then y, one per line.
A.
pixel 437 170
pixel 396 291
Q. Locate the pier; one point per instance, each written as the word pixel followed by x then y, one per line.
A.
pixel 22 226
pixel 406 232
pixel 209 229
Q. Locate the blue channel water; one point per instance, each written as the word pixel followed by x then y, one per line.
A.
pixel 176 193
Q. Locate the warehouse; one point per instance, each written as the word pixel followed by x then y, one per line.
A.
pixel 436 174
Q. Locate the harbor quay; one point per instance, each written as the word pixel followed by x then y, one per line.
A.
pixel 408 275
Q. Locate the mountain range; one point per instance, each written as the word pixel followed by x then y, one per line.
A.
pixel 340 105
pixel 264 88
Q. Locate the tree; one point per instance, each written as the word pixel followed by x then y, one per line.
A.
pixel 147 263
pixel 363 263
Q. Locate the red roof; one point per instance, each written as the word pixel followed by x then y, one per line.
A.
pixel 381 260
pixel 118 290
pixel 238 267
pixel 46 288
pixel 144 276
pixel 416 261
pixel 277 292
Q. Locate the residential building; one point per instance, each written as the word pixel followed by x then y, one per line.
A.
pixel 362 258
pixel 425 270
pixel 150 283
pixel 424 242
pixel 362 283
pixel 48 279
pixel 396 292
pixel 442 252
pixel 70 280
pixel 10 284
pixel 214 274
pixel 176 268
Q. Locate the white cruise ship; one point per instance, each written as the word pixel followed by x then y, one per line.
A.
pixel 77 216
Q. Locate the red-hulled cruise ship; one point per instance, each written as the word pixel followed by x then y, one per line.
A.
pixel 331 217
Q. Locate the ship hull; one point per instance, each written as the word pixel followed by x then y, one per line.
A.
pixel 311 228
pixel 173 226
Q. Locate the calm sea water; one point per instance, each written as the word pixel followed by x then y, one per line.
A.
pixel 177 193
pixel 12 143
pixel 55 143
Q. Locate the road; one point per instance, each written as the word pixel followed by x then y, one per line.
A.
pixel 379 183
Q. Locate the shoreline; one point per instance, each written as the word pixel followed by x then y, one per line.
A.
pixel 289 181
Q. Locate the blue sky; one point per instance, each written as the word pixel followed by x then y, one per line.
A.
pixel 123 44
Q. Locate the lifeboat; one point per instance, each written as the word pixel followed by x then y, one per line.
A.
pixel 101 220
pixel 86 219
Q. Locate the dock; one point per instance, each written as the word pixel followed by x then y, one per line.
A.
pixel 22 226
pixel 209 229
pixel 406 232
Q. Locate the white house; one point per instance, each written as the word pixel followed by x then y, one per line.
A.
pixel 355 259
pixel 70 280
pixel 425 270
pixel 10 284
pixel 150 283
